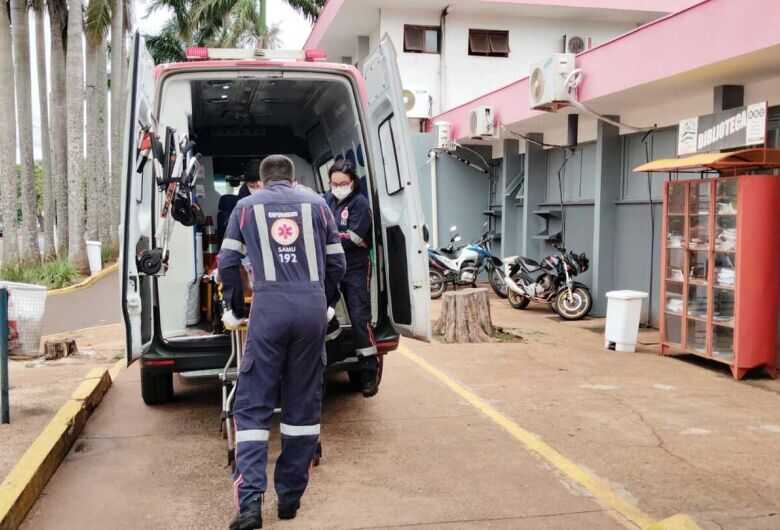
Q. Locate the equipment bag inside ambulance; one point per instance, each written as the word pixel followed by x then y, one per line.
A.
pixel 193 130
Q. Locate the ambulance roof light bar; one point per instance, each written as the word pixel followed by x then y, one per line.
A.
pixel 200 53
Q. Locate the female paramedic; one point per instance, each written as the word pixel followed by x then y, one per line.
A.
pixel 353 220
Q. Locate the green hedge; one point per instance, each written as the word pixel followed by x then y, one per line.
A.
pixel 54 274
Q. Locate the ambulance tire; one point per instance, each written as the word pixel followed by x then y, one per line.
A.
pixel 156 387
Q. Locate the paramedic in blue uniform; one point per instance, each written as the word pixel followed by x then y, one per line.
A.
pixel 353 218
pixel 291 239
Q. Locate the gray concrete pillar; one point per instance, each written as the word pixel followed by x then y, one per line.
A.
pixel 607 189
pixel 727 97
pixel 510 217
pixel 535 190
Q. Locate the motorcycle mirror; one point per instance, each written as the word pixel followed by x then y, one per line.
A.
pixel 453 228
pixel 457 239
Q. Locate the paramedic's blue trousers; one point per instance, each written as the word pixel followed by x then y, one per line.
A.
pixel 285 346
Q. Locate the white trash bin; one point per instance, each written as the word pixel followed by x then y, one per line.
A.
pixel 623 312
pixel 95 256
pixel 26 306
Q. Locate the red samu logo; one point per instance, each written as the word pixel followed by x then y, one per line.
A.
pixel 285 232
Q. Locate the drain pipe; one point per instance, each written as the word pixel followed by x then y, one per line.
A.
pixel 434 199
pixel 443 59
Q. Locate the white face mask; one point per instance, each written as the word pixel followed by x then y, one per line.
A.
pixel 341 192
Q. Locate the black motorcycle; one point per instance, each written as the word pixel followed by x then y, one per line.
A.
pixel 550 282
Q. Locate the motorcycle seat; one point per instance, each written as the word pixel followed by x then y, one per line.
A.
pixel 530 265
pixel 448 253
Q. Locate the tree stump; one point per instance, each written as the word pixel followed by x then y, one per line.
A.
pixel 59 348
pixel 465 317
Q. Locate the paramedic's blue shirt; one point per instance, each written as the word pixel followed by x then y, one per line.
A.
pixel 353 219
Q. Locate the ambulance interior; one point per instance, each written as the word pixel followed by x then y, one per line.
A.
pixel 236 119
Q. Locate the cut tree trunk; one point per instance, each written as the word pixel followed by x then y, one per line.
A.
pixel 465 317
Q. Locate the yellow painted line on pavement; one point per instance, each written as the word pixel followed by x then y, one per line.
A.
pixel 597 487
pixel 86 283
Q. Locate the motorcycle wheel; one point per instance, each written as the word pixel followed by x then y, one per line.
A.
pixel 517 301
pixel 437 284
pixel 575 308
pixel 497 283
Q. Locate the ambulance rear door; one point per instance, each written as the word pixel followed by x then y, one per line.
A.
pixel 137 206
pixel 404 247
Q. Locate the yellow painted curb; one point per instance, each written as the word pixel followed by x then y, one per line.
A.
pixel 600 489
pixel 24 484
pixel 86 283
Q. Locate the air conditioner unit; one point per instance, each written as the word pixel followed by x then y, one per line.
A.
pixel 547 84
pixel 482 122
pixel 575 44
pixel 443 131
pixel 418 103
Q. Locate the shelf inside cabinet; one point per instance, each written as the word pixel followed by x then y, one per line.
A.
pixel 699 283
pixel 697 318
pixel 723 323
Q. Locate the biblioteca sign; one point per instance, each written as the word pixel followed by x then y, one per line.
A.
pixel 738 127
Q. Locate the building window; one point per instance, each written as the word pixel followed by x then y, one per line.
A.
pixel 422 39
pixel 488 43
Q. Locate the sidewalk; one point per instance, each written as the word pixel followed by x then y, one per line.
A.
pixel 39 388
pixel 677 435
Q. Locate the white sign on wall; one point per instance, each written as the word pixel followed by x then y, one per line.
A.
pixel 739 127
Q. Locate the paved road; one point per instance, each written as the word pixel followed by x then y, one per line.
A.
pixel 96 305
pixel 417 455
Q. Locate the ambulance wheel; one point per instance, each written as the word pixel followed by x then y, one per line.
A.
pixel 156 387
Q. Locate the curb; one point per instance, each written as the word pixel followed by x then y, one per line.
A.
pixel 86 283
pixel 26 481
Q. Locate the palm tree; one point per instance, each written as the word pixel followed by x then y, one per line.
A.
pixel 74 68
pixel 21 44
pixel 106 229
pixel 43 96
pixel 117 82
pixel 98 21
pixel 8 178
pixel 58 132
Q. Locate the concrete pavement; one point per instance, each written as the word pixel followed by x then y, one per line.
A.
pixel 668 435
pixel 96 305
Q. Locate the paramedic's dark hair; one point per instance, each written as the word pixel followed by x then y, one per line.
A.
pixel 252 171
pixel 343 166
pixel 277 167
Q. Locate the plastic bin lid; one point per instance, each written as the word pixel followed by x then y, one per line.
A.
pixel 22 286
pixel 626 295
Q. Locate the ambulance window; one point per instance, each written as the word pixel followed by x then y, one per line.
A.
pixel 322 171
pixel 389 156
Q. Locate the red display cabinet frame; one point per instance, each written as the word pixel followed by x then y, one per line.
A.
pixel 720 285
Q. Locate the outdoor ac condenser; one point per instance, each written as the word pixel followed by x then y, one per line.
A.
pixel 547 84
pixel 443 131
pixel 482 122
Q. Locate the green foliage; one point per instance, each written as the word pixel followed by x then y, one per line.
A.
pixel 109 254
pixel 53 274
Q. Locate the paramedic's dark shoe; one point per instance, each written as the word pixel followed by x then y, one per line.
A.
pixel 250 518
pixel 369 385
pixel 289 510
pixel 334 329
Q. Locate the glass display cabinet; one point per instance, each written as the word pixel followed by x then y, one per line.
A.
pixel 721 270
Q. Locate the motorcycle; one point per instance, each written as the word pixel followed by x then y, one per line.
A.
pixel 550 282
pixel 463 265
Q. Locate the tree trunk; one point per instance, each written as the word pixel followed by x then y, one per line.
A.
pixel 91 159
pixel 117 56
pixel 21 42
pixel 8 178
pixel 75 111
pixel 43 96
pixel 103 172
pixel 58 127
pixel 465 317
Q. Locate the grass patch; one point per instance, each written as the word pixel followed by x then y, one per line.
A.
pixel 54 274
pixel 109 254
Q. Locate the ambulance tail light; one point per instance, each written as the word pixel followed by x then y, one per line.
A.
pixel 315 55
pixel 197 53
pixel 159 362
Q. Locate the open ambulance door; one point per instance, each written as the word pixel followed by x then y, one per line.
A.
pixel 137 207
pixel 404 249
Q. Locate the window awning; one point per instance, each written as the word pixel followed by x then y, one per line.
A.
pixel 743 159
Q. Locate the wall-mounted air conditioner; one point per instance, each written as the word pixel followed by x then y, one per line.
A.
pixel 483 122
pixel 547 84
pixel 443 131
pixel 575 44
pixel 418 103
